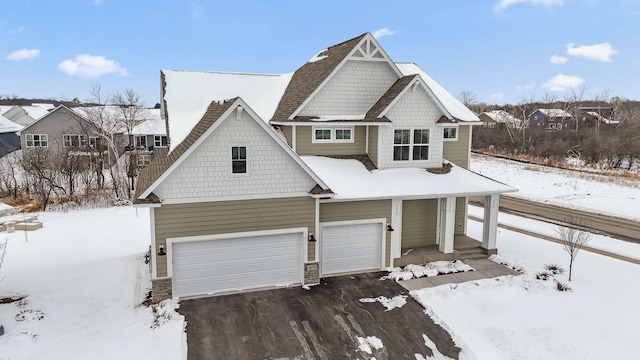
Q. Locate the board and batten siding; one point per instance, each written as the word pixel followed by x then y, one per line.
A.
pixel 305 145
pixel 373 144
pixel 419 223
pixel 458 151
pixel 359 210
pixel 210 218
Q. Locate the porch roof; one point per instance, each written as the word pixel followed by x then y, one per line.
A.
pixel 350 180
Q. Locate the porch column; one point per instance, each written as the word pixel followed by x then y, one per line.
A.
pixel 490 224
pixel 448 225
pixel 396 225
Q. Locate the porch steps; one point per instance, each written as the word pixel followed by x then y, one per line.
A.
pixel 472 252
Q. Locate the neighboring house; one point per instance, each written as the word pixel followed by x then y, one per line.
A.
pixel 597 116
pixel 277 180
pixel 27 115
pixel 9 140
pixel 147 139
pixel 556 119
pixel 499 118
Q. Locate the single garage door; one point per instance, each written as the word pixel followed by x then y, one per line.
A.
pixel 211 266
pixel 349 248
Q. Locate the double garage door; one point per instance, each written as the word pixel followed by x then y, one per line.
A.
pixel 213 266
pixel 235 264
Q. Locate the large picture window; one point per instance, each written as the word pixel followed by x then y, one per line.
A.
pixel 238 159
pixel 410 145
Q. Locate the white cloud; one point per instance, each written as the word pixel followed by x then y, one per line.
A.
pixel 558 60
pixel 497 96
pixel 526 86
pixel 503 4
pixel 23 54
pixel 602 52
pixel 562 82
pixel 91 66
pixel 383 32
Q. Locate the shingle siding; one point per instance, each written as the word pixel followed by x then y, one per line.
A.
pixel 353 89
pixel 207 171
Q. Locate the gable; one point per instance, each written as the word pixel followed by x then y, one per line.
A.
pixel 206 172
pixel 354 88
pixel 59 121
pixel 414 108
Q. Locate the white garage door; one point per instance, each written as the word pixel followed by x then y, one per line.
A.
pixel 349 248
pixel 206 267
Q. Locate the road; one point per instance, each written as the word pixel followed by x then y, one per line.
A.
pixel 621 228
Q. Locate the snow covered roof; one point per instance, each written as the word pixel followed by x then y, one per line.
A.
pixel 450 102
pixel 5 209
pixel 8 126
pixel 188 94
pixel 37 111
pixel 154 125
pixel 350 180
pixel 602 118
pixel 554 113
pixel 501 116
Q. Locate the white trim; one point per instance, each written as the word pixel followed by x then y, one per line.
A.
pixel 418 197
pixel 349 56
pixel 302 230
pixel 294 138
pixel 154 260
pixel 428 91
pixel 332 134
pixel 214 126
pixel 396 234
pixel 247 163
pixel 411 145
pixel 383 237
pixel 330 123
pixel 366 140
pixel 147 205
pixel 233 198
pixel 316 225
pixel 450 126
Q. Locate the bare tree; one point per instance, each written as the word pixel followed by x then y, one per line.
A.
pixel 467 97
pixel 573 238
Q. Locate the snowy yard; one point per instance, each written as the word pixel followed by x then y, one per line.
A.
pixel 85 276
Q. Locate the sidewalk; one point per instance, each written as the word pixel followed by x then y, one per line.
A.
pixel 485 269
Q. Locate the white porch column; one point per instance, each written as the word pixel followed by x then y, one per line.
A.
pixel 396 224
pixel 448 225
pixel 490 224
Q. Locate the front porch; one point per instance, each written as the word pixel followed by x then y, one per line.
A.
pixel 464 248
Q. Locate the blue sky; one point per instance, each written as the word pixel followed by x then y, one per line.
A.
pixel 502 50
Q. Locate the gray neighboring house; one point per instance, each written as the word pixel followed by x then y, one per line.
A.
pixel 9 140
pixel 552 119
pixel 147 139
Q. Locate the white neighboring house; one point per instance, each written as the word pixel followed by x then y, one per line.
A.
pixel 339 167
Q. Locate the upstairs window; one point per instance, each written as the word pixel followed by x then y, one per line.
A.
pixel 238 159
pixel 140 141
pixel 410 144
pixel 450 133
pixel 333 135
pixel 160 141
pixel 36 140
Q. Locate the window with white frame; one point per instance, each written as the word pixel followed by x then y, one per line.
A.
pixel 410 144
pixel 36 140
pixel 140 141
pixel 93 142
pixel 143 160
pixel 332 135
pixel 238 159
pixel 450 133
pixel 160 141
pixel 73 140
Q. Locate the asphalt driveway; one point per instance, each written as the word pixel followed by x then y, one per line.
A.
pixel 324 322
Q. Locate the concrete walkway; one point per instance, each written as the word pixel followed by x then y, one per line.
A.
pixel 485 269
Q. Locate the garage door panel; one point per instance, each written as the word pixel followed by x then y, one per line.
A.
pixel 348 248
pixel 210 266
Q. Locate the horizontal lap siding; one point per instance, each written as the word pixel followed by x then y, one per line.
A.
pixel 359 210
pixel 458 151
pixel 305 145
pixel 373 144
pixel 419 222
pixel 209 218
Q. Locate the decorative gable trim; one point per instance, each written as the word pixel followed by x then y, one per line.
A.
pixel 238 105
pixel 367 41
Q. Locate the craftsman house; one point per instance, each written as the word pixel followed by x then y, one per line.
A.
pixel 339 167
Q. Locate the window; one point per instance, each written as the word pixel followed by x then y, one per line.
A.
pixel 421 145
pixel 160 141
pixel 407 147
pixel 238 159
pixel 401 144
pixel 451 133
pixel 143 160
pixel 36 140
pixel 333 135
pixel 323 134
pixel 73 140
pixel 140 141
pixel 93 142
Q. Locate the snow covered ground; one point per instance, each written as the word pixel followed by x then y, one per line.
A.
pixel 593 192
pixel 85 276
